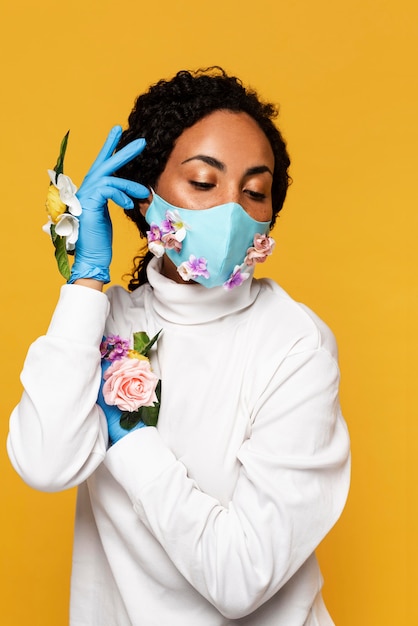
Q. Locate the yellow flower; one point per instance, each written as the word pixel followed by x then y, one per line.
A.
pixel 54 205
pixel 134 354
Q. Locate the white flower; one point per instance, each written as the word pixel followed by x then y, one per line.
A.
pixel 47 227
pixel 186 271
pixel 157 248
pixel 66 226
pixel 67 191
pixel 177 223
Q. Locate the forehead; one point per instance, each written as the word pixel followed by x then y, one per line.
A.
pixel 228 136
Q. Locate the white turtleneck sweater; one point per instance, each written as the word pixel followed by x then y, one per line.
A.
pixel 212 518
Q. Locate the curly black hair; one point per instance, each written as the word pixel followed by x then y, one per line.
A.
pixel 168 108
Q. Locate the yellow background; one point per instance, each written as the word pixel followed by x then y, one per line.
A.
pixel 345 75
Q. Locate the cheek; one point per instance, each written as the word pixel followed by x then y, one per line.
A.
pixel 260 213
pixel 170 190
pixel 180 194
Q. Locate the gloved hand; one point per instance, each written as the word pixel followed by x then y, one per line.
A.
pixel 113 413
pixel 93 250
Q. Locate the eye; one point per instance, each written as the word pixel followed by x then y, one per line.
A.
pixel 255 195
pixel 201 185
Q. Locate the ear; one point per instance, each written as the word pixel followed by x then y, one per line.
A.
pixel 144 204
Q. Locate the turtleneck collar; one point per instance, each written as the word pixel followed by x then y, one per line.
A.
pixel 191 304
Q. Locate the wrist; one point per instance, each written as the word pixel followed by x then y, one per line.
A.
pixel 116 432
pixel 82 271
pixel 92 283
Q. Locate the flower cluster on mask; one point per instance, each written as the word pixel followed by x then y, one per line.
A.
pixel 130 384
pixel 262 247
pixel 63 209
pixel 171 233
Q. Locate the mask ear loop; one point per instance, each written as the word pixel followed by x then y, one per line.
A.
pixel 153 195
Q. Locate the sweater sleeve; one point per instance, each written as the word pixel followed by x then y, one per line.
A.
pixel 292 487
pixel 56 436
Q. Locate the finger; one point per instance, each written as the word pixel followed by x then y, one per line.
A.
pixel 118 197
pixel 94 189
pixel 108 148
pixel 123 156
pixel 136 190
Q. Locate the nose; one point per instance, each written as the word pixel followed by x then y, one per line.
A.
pixel 232 193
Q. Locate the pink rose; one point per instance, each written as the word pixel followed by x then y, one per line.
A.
pixel 265 244
pixel 263 247
pixel 130 384
pixel 254 256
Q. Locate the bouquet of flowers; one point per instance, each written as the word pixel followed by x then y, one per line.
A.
pixel 63 208
pixel 130 384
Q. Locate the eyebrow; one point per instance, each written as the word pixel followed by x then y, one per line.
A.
pixel 209 160
pixel 258 169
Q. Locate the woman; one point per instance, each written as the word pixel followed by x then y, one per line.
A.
pixel 213 516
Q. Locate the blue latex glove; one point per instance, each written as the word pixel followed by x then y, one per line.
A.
pixel 93 250
pixel 113 414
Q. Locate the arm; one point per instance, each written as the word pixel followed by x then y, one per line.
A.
pixel 56 436
pixel 291 490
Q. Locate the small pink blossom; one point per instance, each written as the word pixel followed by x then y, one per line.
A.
pixel 199 266
pixel 130 384
pixel 114 348
pixel 171 242
pixel 193 267
pixel 263 243
pixel 154 233
pixel 263 247
pixel 254 256
pixel 166 227
pixel 236 279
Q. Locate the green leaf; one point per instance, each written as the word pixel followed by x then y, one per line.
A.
pixel 128 420
pixel 150 414
pixel 141 340
pixel 61 253
pixel 59 166
pixel 143 344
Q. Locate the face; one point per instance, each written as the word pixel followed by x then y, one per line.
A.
pixel 225 157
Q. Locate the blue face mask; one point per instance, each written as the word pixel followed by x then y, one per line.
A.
pixel 207 246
